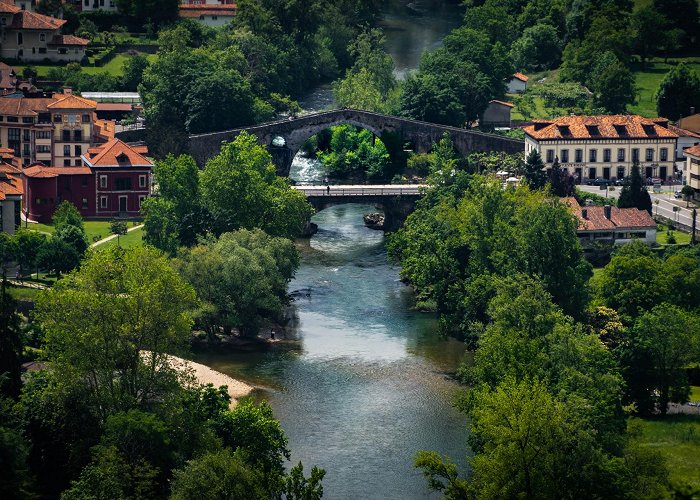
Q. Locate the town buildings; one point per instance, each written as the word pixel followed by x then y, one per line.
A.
pixel 11 190
pixel 497 114
pixel 690 122
pixel 605 146
pixel 26 36
pixel 611 225
pixel 210 12
pixel 692 169
pixel 93 5
pixel 686 139
pixel 517 84
pixel 53 130
pixel 112 181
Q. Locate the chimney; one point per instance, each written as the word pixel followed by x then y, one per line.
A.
pixel 584 213
pixel 67 90
pixel 607 210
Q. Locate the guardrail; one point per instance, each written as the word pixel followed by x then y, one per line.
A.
pixel 338 191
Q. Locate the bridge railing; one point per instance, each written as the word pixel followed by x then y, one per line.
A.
pixel 349 191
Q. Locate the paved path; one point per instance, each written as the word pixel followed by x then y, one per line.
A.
pixel 27 284
pixel 362 190
pixel 110 238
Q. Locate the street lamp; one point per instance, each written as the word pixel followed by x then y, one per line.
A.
pixel 676 209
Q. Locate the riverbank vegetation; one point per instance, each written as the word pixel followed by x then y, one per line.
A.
pixel 109 414
pixel 561 361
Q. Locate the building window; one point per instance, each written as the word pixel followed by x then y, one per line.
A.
pixel 122 183
pixel 78 150
pixel 57 118
pixel 579 155
pixel 42 37
pixel 78 135
pixel 565 156
pixel 593 155
pixel 103 181
pixel 607 156
pixel 649 154
pixel 664 154
pixel 42 50
pixel 621 154
pixel 550 155
pixel 66 135
pixel 103 202
pixel 86 118
pixel 78 163
pixel 43 134
pixel 66 163
pixel 635 154
pixel 42 148
pixel 85 203
pixel 27 119
pixel 26 136
pixel 12 119
pixel 2 118
pixel 25 150
pixel 142 181
pixel 620 172
pixel 20 38
pixel 66 150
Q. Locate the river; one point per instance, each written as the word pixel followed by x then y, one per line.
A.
pixel 364 382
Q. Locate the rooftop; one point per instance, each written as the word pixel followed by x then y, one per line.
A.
pixel 196 10
pixel 116 153
pixel 593 218
pixel 521 77
pixel 27 20
pixel 42 172
pixel 600 127
pixel 694 151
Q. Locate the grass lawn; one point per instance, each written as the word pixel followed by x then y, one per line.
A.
pixel 21 293
pixel 113 67
pixel 662 236
pixel 131 239
pixel 95 229
pixel 677 438
pixel 649 79
pixel 695 393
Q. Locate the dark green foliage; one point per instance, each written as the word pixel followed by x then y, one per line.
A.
pixel 634 193
pixel 612 83
pixel 535 175
pixel 133 72
pixel 678 92
pixel 298 487
pixel 562 183
pixel 11 345
pixel 681 15
pixel 14 449
pixel 538 48
pixel 29 244
pixel 158 11
pixel 355 153
pixel 66 214
pixel 58 256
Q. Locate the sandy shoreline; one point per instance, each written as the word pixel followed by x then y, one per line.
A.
pixel 205 375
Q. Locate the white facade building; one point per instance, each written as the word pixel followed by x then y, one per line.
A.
pixel 517 84
pixel 591 147
pixel 94 5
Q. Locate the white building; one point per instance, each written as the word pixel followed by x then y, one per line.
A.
pixel 605 146
pixel 213 13
pixel 517 84
pixel 692 169
pixel 612 225
pixel 94 5
pixel 686 139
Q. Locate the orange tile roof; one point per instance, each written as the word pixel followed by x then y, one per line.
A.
pixel 68 40
pixel 682 132
pixel 8 7
pixel 520 77
pixel 196 10
pixel 116 153
pixel 504 103
pixel 24 106
pixel 27 20
pixel 104 130
pixel 42 172
pixel 599 127
pixel 71 101
pixel 620 218
pixel 694 151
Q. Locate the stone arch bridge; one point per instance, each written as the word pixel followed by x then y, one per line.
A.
pixel 395 132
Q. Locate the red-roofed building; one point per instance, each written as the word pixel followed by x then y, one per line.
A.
pixel 517 83
pixel 210 12
pixel 612 225
pixel 605 146
pixel 113 181
pixel 31 37
pixel 497 114
pixel 11 190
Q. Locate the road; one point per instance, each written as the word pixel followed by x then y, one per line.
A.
pixel 664 207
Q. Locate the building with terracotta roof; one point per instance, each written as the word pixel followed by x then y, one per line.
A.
pixel 692 168
pixel 11 190
pixel 210 12
pixel 690 122
pixel 497 114
pixel 517 83
pixel 31 37
pixel 112 181
pixel 605 146
pixel 94 5
pixel 686 139
pixel 53 130
pixel 612 225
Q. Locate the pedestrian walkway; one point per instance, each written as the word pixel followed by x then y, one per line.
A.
pixel 110 238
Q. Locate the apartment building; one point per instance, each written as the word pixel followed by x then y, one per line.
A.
pixel 30 37
pixel 606 146
pixel 55 130
pixel 692 169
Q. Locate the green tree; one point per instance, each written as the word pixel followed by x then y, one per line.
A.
pixel 682 15
pixel 298 487
pixel 612 83
pixel 648 25
pixel 58 256
pixel 132 71
pixel 241 190
pixel 66 214
pixel 216 475
pixel 442 475
pixel 160 225
pixel 29 244
pixel 241 278
pixel 538 48
pixel 98 322
pixel 11 345
pixel 356 153
pixel 678 92
pixel 664 340
pixel 74 237
pixel 118 228
pixel 534 172
pixel 634 193
pixel 8 251
pixel 562 182
pixel 13 455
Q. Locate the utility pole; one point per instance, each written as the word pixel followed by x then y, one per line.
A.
pixel 692 234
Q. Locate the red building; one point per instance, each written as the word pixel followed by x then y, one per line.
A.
pixel 113 182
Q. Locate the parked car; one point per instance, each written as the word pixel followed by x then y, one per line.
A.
pixel 678 195
pixel 620 181
pixel 600 181
pixel 654 180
